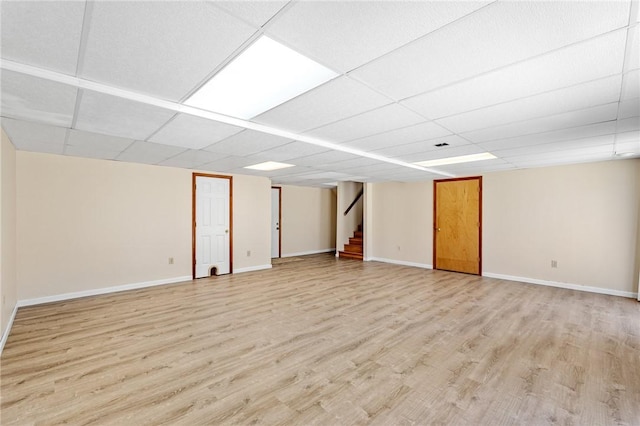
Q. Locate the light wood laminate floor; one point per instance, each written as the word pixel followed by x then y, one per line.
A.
pixel 319 340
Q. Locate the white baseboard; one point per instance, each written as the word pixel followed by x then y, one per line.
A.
pixel 569 286
pixel 251 268
pixel 98 291
pixel 400 262
pixel 7 330
pixel 306 253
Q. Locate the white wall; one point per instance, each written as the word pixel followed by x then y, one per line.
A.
pixel 8 285
pixel 87 224
pixel 308 220
pixel 584 216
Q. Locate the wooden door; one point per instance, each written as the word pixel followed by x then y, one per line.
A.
pixel 457 223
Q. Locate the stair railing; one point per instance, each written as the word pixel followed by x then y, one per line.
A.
pixel 353 203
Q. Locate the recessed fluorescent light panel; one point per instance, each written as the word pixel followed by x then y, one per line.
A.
pixel 269 165
pixel 265 75
pixel 456 160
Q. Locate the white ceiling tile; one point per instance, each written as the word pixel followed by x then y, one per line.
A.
pixel 575 155
pixel 42 33
pixel 582 96
pixel 294 180
pixel 229 163
pixel 335 100
pixel 500 34
pixel 555 146
pixel 325 176
pixel 380 120
pixel 192 158
pixel 444 152
pixel 29 136
pixel 257 13
pixel 375 169
pixel 324 158
pixel 289 151
pixel 628 136
pixel 193 132
pixel 347 34
pixel 406 173
pixel 629 108
pixel 581 132
pixel 477 167
pixel 631 85
pixel 632 61
pixel 419 132
pixel 572 65
pixel 628 142
pixel 411 149
pixel 572 158
pixel 163 49
pixel 630 124
pixel 356 162
pixel 248 142
pixel 94 145
pixel 110 115
pixel 34 99
pixel 578 118
pixel 351 178
pixel 148 152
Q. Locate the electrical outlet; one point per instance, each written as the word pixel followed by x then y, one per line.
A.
pixel 248 253
pixel 171 261
pixel 554 263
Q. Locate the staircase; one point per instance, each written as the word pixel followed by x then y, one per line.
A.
pixel 353 250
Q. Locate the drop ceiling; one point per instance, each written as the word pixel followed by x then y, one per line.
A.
pixel 534 83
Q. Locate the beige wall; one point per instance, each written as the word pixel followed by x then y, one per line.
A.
pixel 251 222
pixel 8 286
pixel 86 224
pixel 308 220
pixel 367 226
pixel 637 271
pixel 583 216
pixel 345 225
pixel 402 222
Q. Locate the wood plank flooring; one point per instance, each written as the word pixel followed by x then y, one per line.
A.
pixel 320 340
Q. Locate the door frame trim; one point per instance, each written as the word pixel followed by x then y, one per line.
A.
pixel 193 219
pixel 435 198
pixel 279 188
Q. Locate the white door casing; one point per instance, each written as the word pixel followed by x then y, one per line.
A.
pixel 275 222
pixel 212 230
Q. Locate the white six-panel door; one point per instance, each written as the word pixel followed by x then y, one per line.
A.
pixel 212 233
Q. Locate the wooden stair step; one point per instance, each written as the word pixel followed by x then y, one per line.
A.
pixel 352 248
pixel 357 234
pixel 355 241
pixel 348 255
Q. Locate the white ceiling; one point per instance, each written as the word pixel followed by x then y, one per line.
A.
pixel 535 83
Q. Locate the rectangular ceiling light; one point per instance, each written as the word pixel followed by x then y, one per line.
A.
pixel 456 160
pixel 265 75
pixel 270 165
